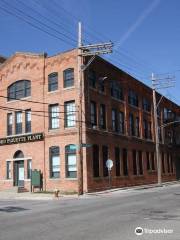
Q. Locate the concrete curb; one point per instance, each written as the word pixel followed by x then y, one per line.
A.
pixel 140 187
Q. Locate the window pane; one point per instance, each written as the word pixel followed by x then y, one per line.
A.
pixel 71 165
pixel 70 114
pixel 54 116
pixel 54 162
pixel 52 82
pixel 19 89
pixel 69 77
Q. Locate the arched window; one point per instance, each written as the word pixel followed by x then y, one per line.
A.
pixel 68 75
pixel 18 154
pixel 19 89
pixel 71 164
pixel 52 81
pixel 54 161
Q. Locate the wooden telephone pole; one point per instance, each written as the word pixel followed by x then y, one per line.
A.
pixel 91 50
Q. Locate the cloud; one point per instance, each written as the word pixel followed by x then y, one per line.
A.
pixel 138 22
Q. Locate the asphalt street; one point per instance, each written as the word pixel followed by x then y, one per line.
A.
pixel 108 216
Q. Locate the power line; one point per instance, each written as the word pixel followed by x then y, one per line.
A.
pixel 7 109
pixel 31 101
pixel 38 111
pixel 33 25
pixel 95 33
pixel 49 20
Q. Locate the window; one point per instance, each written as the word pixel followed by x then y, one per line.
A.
pixel 152 161
pixel 146 105
pixel 54 116
pixel 172 163
pixel 70 114
pixel 137 127
pixel 19 89
pixel 18 124
pixel 133 98
pixel 168 163
pixel 95 160
pixel 137 163
pixel 102 116
pixel 54 157
pixel 92 78
pixel 93 114
pixel 101 84
pixel 121 122
pixel 140 163
pixel 71 168
pixel 147 129
pixel 68 77
pixel 134 163
pixel 8 170
pixel 52 81
pixel 125 162
pixel 131 124
pixel 116 90
pixel 148 161
pixel 162 162
pixel 168 115
pixel 105 158
pixel 9 123
pixel 29 168
pixel 114 120
pixel 117 161
pixel 28 121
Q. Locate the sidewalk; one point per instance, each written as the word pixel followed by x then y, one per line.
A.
pixel 139 187
pixel 6 195
pixel 33 196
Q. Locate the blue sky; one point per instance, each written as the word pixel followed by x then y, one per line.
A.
pixel 146 33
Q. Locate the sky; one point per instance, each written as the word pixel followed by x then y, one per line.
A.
pixel 145 33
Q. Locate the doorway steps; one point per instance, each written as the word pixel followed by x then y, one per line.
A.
pixel 22 190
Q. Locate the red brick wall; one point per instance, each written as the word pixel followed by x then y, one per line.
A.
pixel 37 68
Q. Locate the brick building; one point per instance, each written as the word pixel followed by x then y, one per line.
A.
pixel 39 124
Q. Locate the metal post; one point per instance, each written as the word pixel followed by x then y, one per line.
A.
pixel 156 135
pixel 109 173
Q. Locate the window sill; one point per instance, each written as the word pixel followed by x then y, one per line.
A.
pixel 18 135
pixel 119 100
pixel 68 88
pixel 71 179
pixel 53 130
pixel 51 92
pixel 146 112
pixel 55 179
pixel 70 128
pixel 136 107
pixel 7 180
pixel 16 100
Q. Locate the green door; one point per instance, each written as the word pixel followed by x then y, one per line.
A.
pixel 19 173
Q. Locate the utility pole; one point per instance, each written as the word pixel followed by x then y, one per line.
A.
pixel 80 164
pixel 91 51
pixel 159 83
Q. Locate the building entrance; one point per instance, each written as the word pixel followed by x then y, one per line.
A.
pixel 18 169
pixel 19 173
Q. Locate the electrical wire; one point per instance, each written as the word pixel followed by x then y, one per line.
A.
pixel 39 115
pixel 30 101
pixel 34 25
